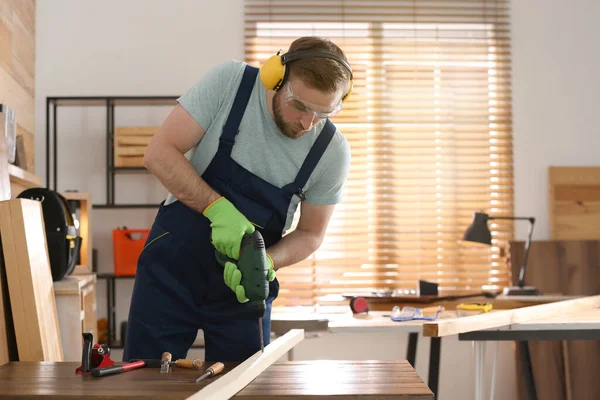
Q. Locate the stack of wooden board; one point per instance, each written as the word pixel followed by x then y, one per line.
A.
pixel 29 281
pixel 131 143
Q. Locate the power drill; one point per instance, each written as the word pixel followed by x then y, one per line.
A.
pixel 254 267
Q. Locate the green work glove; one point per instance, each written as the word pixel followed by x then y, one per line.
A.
pixel 228 227
pixel 233 278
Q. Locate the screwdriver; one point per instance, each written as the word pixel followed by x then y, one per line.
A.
pixel 214 369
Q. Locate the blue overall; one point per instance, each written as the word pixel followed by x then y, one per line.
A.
pixel 179 285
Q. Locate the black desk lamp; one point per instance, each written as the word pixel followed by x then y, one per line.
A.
pixel 479 232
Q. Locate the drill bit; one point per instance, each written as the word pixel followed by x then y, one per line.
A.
pixel 262 341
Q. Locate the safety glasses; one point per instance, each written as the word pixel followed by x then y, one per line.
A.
pixel 304 107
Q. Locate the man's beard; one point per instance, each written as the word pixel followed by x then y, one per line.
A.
pixel 286 128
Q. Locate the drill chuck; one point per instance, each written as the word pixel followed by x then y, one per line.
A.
pixel 259 307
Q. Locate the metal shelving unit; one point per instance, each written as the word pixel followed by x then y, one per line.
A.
pixel 110 102
pixel 52 135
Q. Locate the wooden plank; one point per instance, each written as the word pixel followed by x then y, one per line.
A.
pixel 135 130
pixel 131 151
pixel 574 202
pixel 235 380
pixel 5 194
pixel 17 97
pixel 30 280
pixel 129 161
pixel 23 56
pixel 497 319
pixel 133 140
pixel 5 46
pixel 5 190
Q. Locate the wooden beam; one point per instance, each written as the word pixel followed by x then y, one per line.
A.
pixel 496 319
pixel 235 380
pixel 29 279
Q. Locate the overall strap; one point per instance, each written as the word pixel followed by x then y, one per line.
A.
pixel 231 127
pixel 314 155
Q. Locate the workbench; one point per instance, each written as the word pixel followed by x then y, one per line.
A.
pixel 378 320
pixel 579 325
pixel 321 380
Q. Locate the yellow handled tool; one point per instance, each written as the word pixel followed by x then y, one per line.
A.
pixel 465 309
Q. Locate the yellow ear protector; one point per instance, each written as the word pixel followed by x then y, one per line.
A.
pixel 274 72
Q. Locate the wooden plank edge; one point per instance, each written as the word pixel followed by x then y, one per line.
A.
pixel 496 319
pixel 239 377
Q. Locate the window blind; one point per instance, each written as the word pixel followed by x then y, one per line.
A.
pixel 429 125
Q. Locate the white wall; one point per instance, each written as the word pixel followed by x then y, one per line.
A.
pixel 142 47
pixel 556 58
pixel 112 48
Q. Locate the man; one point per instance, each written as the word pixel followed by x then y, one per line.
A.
pixel 239 152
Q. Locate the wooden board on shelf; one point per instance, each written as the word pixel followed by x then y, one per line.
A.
pixel 29 280
pixel 574 203
pixel 131 143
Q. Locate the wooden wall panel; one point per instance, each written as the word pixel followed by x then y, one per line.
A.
pixel 565 370
pixel 17 67
pixel 574 203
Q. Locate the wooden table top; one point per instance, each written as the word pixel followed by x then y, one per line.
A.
pixel 286 380
pixel 501 302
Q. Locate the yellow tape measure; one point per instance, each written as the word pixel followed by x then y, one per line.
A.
pixel 475 307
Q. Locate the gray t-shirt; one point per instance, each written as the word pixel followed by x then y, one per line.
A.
pixel 259 146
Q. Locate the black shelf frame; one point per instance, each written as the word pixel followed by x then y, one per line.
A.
pixel 52 105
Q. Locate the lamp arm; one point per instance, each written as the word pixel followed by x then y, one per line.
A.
pixel 527 246
pixel 514 218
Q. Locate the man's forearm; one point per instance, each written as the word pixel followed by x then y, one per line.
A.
pixel 180 178
pixel 294 247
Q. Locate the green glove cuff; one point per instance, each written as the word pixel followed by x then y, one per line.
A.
pixel 271 274
pixel 217 207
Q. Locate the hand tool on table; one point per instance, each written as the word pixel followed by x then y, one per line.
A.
pixel 415 313
pixel 165 362
pixel 181 363
pixel 254 266
pixel 117 369
pixel 93 355
pixel 213 370
pixel 466 309
pixel 359 305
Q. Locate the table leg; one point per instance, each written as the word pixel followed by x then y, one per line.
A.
pixel 479 363
pixel 113 311
pixel 108 311
pixel 411 351
pixel 493 384
pixel 434 364
pixel 523 349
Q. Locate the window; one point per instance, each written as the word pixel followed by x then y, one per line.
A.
pixel 429 124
